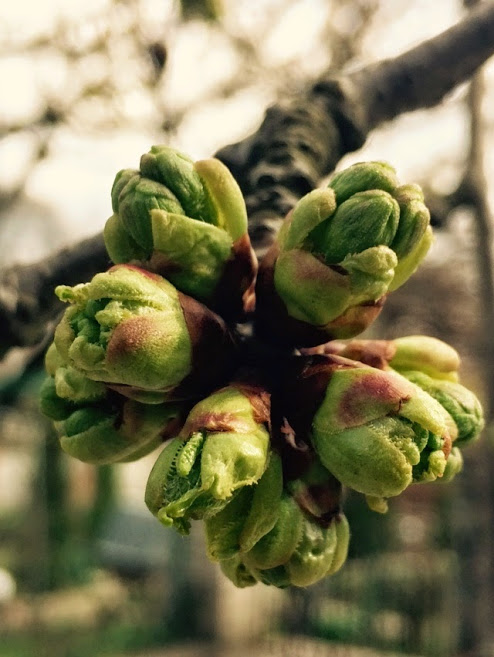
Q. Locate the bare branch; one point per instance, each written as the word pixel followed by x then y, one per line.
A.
pixel 421 77
pixel 27 299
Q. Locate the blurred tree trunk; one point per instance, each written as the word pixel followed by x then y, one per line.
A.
pixel 477 492
pixel 58 526
pixel 103 503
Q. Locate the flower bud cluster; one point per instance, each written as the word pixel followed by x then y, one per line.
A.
pixel 186 221
pixel 341 250
pixel 141 342
pixel 258 449
pixel 260 525
pixel 415 432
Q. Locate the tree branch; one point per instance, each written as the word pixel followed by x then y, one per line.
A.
pixel 27 299
pixel 421 77
pixel 474 536
pixel 475 183
pixel 300 141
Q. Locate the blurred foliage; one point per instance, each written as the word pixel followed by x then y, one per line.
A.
pixel 117 636
pixel 396 601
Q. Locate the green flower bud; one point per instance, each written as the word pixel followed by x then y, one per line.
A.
pixel 339 252
pixel 454 465
pixel 321 550
pixel 73 385
pixel 133 331
pixel 222 448
pixel 361 177
pixel 414 219
pixel 375 431
pixel 425 354
pixel 412 353
pixel 110 430
pixel 65 388
pixel 51 404
pixel 308 535
pixel 315 554
pixel 97 425
pixel 132 199
pixel 186 221
pixel 462 405
pixel 247 517
pixel 365 220
pixel 342 529
pixel 433 366
pixel 323 546
pixel 277 546
pixel 409 263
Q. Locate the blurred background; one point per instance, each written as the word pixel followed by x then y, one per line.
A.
pixel 84 568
